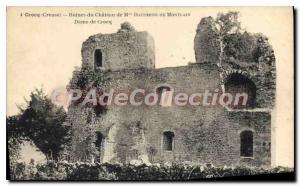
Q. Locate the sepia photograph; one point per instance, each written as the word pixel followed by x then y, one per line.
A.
pixel 150 93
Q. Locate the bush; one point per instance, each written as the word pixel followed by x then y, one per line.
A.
pixel 86 171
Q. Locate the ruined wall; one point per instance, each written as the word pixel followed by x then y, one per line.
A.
pixel 245 53
pixel 206 46
pixel 127 49
pixel 208 135
pixel 261 71
pixel 202 134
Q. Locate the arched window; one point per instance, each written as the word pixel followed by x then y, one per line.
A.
pixel 98 58
pixel 237 84
pixel 165 95
pixel 246 143
pixel 168 141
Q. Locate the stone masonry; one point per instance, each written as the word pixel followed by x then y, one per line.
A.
pixel 173 134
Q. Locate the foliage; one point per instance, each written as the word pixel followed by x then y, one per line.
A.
pixel 82 78
pixel 227 23
pixel 236 45
pixel 41 122
pixel 86 78
pixel 224 25
pixel 13 139
pixel 87 171
pixel 241 46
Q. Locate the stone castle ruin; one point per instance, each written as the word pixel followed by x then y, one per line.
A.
pixel 164 134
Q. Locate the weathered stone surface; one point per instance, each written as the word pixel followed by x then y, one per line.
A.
pixel 201 134
pixel 206 45
pixel 125 49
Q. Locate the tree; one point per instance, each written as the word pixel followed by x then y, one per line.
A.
pixel 241 46
pixel 225 24
pixel 13 140
pixel 42 122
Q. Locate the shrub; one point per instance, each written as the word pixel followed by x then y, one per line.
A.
pixel 88 171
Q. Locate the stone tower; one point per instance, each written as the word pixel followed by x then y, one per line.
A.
pixel 126 49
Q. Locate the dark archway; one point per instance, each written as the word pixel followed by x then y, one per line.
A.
pixel 246 138
pixel 168 141
pixel 237 83
pixel 98 58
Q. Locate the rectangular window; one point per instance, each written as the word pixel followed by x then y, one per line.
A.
pixel 168 141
